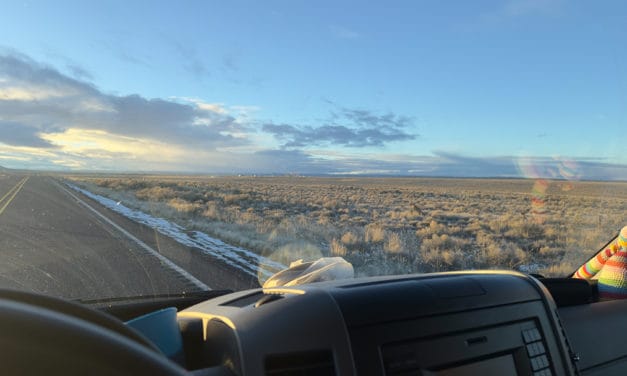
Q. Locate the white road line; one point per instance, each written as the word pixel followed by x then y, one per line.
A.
pixel 166 261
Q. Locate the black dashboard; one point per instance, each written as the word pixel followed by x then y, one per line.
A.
pixel 443 324
pixel 434 324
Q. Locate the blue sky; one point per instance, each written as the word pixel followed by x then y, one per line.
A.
pixel 485 88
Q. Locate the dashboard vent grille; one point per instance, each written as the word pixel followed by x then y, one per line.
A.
pixel 318 362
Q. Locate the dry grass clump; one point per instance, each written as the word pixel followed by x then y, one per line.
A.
pixel 350 238
pixel 390 225
pixel 337 248
pixel 156 193
pixel 394 243
pixel 184 206
pixel 375 233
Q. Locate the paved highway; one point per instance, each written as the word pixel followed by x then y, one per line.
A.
pixel 61 243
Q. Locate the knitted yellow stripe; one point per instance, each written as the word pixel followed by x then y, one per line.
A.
pixel 592 267
pixel 622 238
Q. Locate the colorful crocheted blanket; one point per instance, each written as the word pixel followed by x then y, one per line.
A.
pixel 611 266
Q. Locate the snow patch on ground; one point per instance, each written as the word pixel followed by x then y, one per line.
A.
pixel 242 259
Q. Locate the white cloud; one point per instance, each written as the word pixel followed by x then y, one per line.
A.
pixel 13 93
pixel 44 101
pixel 202 105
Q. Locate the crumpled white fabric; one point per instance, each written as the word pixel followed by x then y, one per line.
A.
pixel 323 269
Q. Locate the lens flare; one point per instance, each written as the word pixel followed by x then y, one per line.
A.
pixel 554 168
pixel 538 203
pixel 541 169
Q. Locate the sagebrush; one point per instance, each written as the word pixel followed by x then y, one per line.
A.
pixel 394 225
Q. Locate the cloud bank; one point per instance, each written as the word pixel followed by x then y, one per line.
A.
pixel 49 120
pixel 38 99
pixel 346 127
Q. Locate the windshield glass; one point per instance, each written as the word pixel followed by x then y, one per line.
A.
pixel 161 148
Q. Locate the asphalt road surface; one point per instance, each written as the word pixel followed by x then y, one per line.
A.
pixel 61 243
